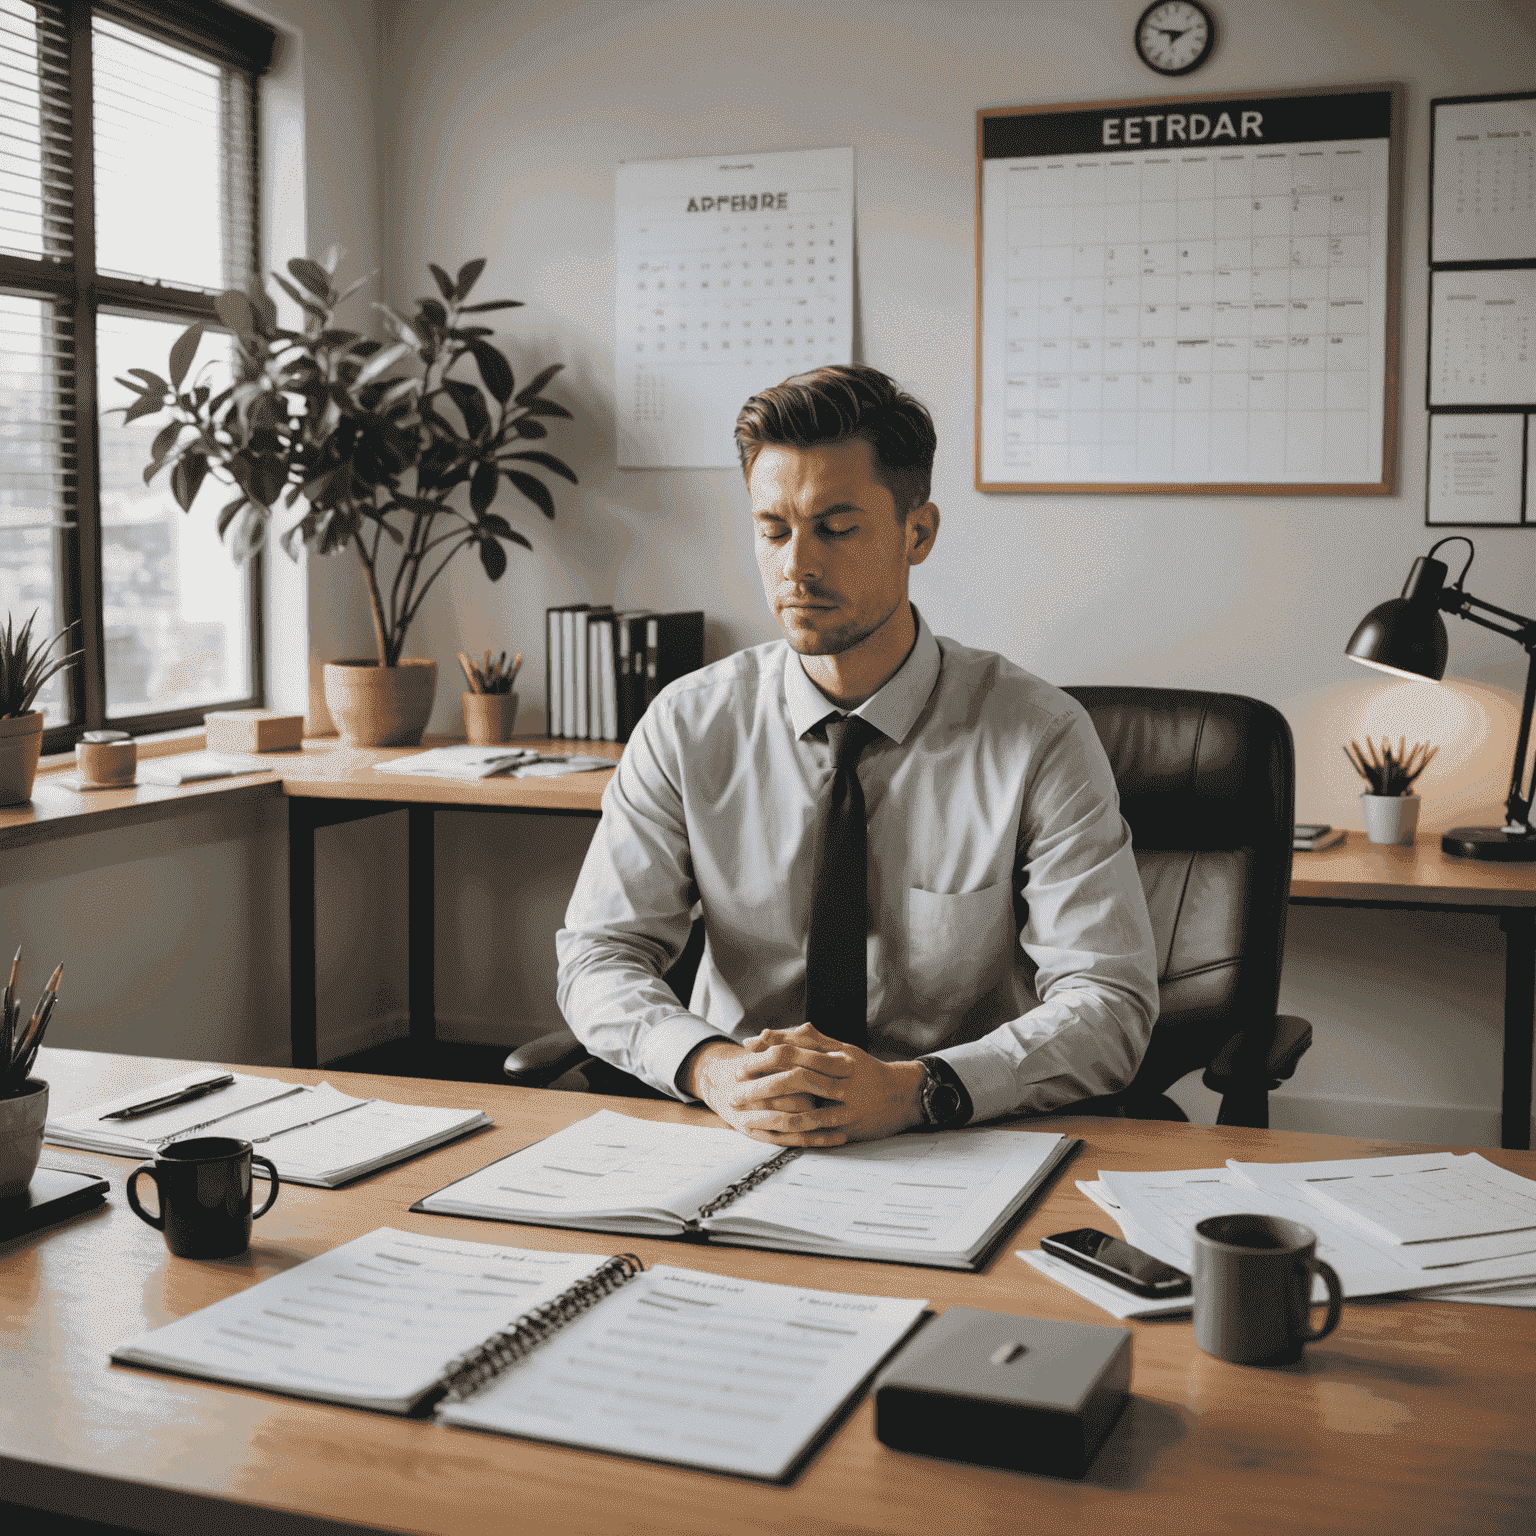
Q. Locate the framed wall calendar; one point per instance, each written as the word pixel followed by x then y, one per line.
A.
pixel 1193 295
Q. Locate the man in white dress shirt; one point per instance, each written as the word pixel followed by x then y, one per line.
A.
pixel 1009 958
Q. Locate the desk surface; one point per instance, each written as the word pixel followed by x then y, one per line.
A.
pixel 1415 1415
pixel 323 769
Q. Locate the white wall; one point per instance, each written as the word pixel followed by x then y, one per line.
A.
pixel 501 127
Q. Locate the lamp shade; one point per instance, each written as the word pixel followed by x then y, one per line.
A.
pixel 1406 635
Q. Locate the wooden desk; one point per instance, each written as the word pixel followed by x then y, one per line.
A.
pixel 328 784
pixel 1421 878
pixel 1414 1416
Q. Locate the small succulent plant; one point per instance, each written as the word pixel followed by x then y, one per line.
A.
pixel 24 668
pixel 1390 772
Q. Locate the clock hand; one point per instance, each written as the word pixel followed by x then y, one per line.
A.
pixel 1171 35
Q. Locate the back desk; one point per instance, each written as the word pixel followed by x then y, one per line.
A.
pixel 1413 1416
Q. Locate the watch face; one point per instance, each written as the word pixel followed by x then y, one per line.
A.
pixel 1175 36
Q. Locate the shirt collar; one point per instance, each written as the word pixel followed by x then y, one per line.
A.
pixel 893 711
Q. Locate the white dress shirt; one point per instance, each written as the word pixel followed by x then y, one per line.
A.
pixel 1008 929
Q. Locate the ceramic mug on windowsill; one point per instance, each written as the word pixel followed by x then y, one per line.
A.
pixel 1391 818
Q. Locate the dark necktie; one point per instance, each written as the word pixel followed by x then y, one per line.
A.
pixel 836 987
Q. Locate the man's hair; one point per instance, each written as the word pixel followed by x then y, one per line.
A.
pixel 840 404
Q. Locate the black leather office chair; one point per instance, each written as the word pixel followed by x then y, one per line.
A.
pixel 1207 785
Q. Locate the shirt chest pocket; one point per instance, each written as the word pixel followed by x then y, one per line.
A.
pixel 958 947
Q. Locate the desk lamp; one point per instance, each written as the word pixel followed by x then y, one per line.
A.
pixel 1406 637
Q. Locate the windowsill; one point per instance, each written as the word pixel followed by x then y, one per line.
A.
pixel 159 744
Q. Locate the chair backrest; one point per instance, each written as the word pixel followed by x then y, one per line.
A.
pixel 1207 786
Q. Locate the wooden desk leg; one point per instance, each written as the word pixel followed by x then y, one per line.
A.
pixel 301 934
pixel 1519 1018
pixel 422 942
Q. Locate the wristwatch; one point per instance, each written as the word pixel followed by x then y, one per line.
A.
pixel 945 1102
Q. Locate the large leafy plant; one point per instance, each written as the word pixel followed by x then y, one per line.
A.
pixel 374 439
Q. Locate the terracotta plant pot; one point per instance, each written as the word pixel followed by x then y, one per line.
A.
pixel 489 718
pixel 21 744
pixel 376 706
pixel 21 1136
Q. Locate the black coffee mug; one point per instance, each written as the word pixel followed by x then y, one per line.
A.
pixel 205 1196
pixel 1252 1281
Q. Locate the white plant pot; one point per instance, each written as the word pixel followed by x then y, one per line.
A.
pixel 21 1136
pixel 1391 818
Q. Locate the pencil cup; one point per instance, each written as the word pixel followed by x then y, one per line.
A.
pixel 21 1136
pixel 1391 818
pixel 205 1196
pixel 489 718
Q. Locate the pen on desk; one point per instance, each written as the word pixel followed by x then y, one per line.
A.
pixel 185 1095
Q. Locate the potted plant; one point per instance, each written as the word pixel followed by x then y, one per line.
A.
pixel 23 671
pixel 1391 810
pixel 372 442
pixel 23 1098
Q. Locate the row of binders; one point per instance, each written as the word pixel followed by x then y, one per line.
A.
pixel 604 667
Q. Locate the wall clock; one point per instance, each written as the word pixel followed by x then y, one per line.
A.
pixel 1175 37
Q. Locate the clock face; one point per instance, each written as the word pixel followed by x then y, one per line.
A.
pixel 1175 36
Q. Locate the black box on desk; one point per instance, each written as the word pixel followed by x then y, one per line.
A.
pixel 1025 1393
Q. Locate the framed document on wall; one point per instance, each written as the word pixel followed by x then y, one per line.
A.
pixel 1193 295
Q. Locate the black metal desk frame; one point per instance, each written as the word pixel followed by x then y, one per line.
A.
pixel 1519 925
pixel 306 816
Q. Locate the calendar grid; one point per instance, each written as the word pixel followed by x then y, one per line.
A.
pixel 1194 316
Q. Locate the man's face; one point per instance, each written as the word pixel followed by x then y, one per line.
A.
pixel 833 555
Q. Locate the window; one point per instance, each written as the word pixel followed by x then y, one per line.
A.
pixel 127 204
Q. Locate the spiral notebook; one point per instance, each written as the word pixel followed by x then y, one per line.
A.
pixel 701 1370
pixel 945 1198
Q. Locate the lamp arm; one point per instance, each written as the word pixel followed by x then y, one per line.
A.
pixel 1517 808
pixel 1454 600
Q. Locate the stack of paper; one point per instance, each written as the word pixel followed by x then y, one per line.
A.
pixel 313 1135
pixel 1453 1227
pixel 472 762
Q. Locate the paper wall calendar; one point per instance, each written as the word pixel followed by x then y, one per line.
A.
pixel 733 272
pixel 1196 294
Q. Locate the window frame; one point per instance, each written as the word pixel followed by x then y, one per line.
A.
pixel 229 38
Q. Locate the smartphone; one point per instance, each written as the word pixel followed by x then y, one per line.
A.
pixel 1307 830
pixel 1114 1260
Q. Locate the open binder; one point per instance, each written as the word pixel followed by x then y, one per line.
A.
pixel 402 1323
pixel 944 1199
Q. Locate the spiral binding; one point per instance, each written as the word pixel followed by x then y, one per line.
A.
pixel 468 1374
pixel 745 1186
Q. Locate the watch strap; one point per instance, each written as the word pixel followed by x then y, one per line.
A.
pixel 940 1071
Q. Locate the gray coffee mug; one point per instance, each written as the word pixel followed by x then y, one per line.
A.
pixel 1253 1289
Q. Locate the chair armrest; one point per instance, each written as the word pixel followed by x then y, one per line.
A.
pixel 541 1061
pixel 1291 1039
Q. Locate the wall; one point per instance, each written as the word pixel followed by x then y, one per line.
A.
pixel 500 129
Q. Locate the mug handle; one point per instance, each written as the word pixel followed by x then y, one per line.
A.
pixel 1316 1266
pixel 157 1222
pixel 266 1163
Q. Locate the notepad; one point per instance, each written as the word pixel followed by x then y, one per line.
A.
pixel 314 1135
pixel 942 1198
pixel 582 1349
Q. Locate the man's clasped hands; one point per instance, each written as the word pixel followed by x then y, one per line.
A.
pixel 800 1088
